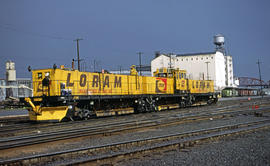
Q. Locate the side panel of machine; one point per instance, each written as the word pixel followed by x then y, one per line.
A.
pixel 86 83
pixel 200 86
pixel 65 82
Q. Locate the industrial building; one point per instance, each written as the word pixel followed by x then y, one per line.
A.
pixel 13 87
pixel 2 90
pixel 217 65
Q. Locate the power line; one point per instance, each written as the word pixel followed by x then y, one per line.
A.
pixel 10 28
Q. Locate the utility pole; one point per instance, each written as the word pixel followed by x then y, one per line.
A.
pixel 120 69
pixel 170 60
pixel 260 74
pixel 97 65
pixel 207 70
pixel 94 65
pixel 170 56
pixel 77 40
pixel 140 53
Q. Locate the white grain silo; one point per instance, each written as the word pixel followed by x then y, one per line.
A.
pixel 11 79
pixel 10 71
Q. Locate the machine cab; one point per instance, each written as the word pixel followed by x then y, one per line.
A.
pixel 179 76
pixel 170 73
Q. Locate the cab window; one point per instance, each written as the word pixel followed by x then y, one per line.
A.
pixel 161 75
pixel 39 75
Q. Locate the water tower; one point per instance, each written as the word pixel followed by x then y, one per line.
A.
pixel 219 41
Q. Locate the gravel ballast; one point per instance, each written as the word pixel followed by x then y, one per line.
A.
pixel 247 149
pixel 86 141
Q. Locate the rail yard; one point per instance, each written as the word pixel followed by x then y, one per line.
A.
pixel 145 138
pixel 100 118
pixel 134 83
pixel 75 117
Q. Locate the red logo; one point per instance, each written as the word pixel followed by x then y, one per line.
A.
pixel 161 85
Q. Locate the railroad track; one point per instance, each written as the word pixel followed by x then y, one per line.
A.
pixel 28 128
pixel 119 127
pixel 111 152
pixel 13 119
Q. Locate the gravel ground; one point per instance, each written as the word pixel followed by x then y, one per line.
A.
pixel 161 131
pixel 86 141
pixel 248 149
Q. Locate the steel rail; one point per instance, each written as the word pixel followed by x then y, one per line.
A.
pixel 7 143
pixel 195 139
pixel 9 130
pixel 191 138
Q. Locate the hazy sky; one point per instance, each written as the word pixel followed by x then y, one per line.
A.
pixel 41 33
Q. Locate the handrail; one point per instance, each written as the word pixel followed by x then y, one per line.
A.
pixel 35 108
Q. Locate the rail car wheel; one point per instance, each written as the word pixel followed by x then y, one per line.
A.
pixel 215 100
pixel 212 101
pixel 150 104
pixel 209 102
pixel 182 104
pixel 84 114
pixel 87 114
pixel 139 105
pixel 190 100
pixel 145 105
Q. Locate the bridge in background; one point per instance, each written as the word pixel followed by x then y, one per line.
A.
pixel 253 82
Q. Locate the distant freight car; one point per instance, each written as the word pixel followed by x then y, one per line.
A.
pixel 236 92
pixel 64 94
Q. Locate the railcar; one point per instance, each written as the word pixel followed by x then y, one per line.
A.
pixel 61 94
pixel 239 91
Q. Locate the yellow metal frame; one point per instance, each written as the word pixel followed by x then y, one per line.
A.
pixel 37 113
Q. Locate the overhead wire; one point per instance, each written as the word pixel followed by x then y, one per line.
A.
pixel 11 28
